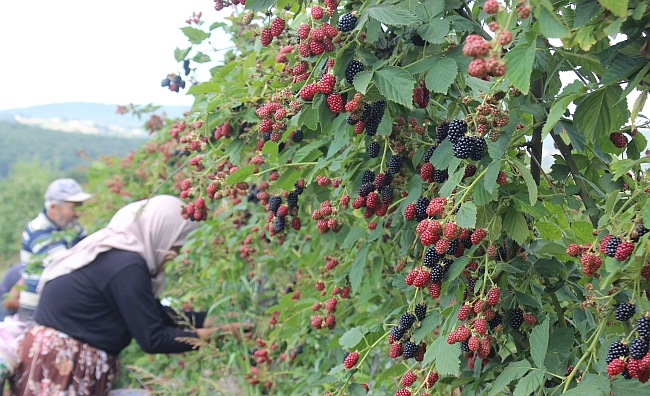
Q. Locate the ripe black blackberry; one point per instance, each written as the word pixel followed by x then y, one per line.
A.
pixel 612 244
pixel 464 345
pixel 266 136
pixel 367 112
pixel 352 69
pixel 437 273
pixel 516 318
pixel 440 175
pixel 297 136
pixel 410 349
pixel 457 129
pixel 406 321
pixel 373 149
pixel 165 82
pixel 347 22
pixel 421 311
pixel 372 125
pixel 365 189
pixel 378 109
pixel 463 147
pixel 442 131
pixel 639 348
pixel 616 350
pixel 351 121
pixel 281 146
pixel 431 257
pixel 498 318
pixel 274 203
pixel 427 156
pixel 292 199
pixel 397 333
pixel 387 194
pixel 421 206
pixel 640 231
pixel 471 284
pixel 468 242
pixel 388 179
pixel 453 246
pixel 626 374
pixel 446 264
pixel 395 164
pixel 625 311
pixel 368 176
pixel 186 66
pixel 417 40
pixel 643 327
pixel 298 189
pixel 479 147
pixel 279 223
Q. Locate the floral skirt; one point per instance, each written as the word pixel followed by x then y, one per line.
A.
pixel 54 364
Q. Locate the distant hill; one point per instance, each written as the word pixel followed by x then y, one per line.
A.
pixel 95 118
pixel 24 143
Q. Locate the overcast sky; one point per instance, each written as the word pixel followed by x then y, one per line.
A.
pixel 114 51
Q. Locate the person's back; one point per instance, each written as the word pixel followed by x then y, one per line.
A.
pixel 10 279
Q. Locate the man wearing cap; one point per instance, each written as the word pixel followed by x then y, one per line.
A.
pixel 62 198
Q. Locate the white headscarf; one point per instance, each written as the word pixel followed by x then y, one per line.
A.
pixel 149 227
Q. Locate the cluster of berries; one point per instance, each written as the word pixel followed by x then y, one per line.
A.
pixel 613 246
pixel 325 216
pixel 375 193
pixel 316 41
pixel 429 379
pixel 223 130
pixel 220 4
pixel 421 95
pixel 195 211
pixel 479 49
pixel 328 320
pixel 334 100
pixel 631 361
pixel 274 120
pixel 194 18
pixel 174 82
pixel 365 116
pixel 590 262
pixel 472 147
pixel 278 212
pixel 276 29
pixel 490 117
pixel 317 11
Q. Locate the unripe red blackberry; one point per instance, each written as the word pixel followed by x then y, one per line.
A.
pixel 317 12
pixel 395 350
pixel 277 26
pixel 303 31
pixel 351 360
pixel 408 379
pixel 493 296
pixel 266 37
pixel 618 139
pixel 623 251
pixel 616 367
pixel 491 7
pixel 403 392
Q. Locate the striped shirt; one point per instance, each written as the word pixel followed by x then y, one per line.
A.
pixel 37 238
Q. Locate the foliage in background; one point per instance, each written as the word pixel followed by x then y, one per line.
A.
pixel 547 270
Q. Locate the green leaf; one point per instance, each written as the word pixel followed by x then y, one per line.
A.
pixel 557 110
pixel 392 15
pixel 288 178
pixel 448 186
pixel 549 268
pixel 623 387
pixel 196 36
pixel 352 337
pixel 385 126
pixel 241 174
pixel 180 54
pixel 490 178
pixel 206 87
pixel 585 11
pixel 362 80
pixel 309 117
pixel 600 113
pixel 353 236
pixel 646 212
pixel 429 324
pixel 441 75
pixel 515 370
pixel 530 383
pixel 396 84
pixel 456 268
pixel 549 231
pixel 304 151
pixel 259 5
pixel 357 390
pixel 550 24
pixel 343 58
pixel 429 9
pixel 466 216
pixel 447 358
pixel 520 65
pixel 435 31
pixel 528 179
pixel 358 268
pixel 539 343
pixel 588 387
pixel 617 7
pixel 514 224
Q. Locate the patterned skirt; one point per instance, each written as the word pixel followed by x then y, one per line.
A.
pixel 55 364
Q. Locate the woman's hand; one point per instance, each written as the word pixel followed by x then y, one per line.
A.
pixel 235 329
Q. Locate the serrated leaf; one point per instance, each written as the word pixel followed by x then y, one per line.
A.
pixel 180 54
pixel 343 58
pixel 441 75
pixel 353 236
pixel 385 127
pixel 196 36
pixel 428 325
pixel 270 147
pixel 435 31
pixel 529 383
pixel 514 224
pixel 443 155
pixel 557 110
pixel 515 370
pixel 528 179
pixel 447 358
pixel 241 174
pixel 646 212
pixel 259 5
pixel 448 186
pixel 585 11
pixel 396 84
pixel 490 178
pixel 550 25
pixel 623 387
pixel 362 80
pixel 392 15
pixel 351 338
pixel 429 9
pixel 549 268
pixel 549 231
pixel 456 268
pixel 466 216
pixel 357 390
pixel 358 268
pixel 207 87
pixel 600 113
pixel 617 7
pixel 539 343
pixel 288 178
pixel 520 65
